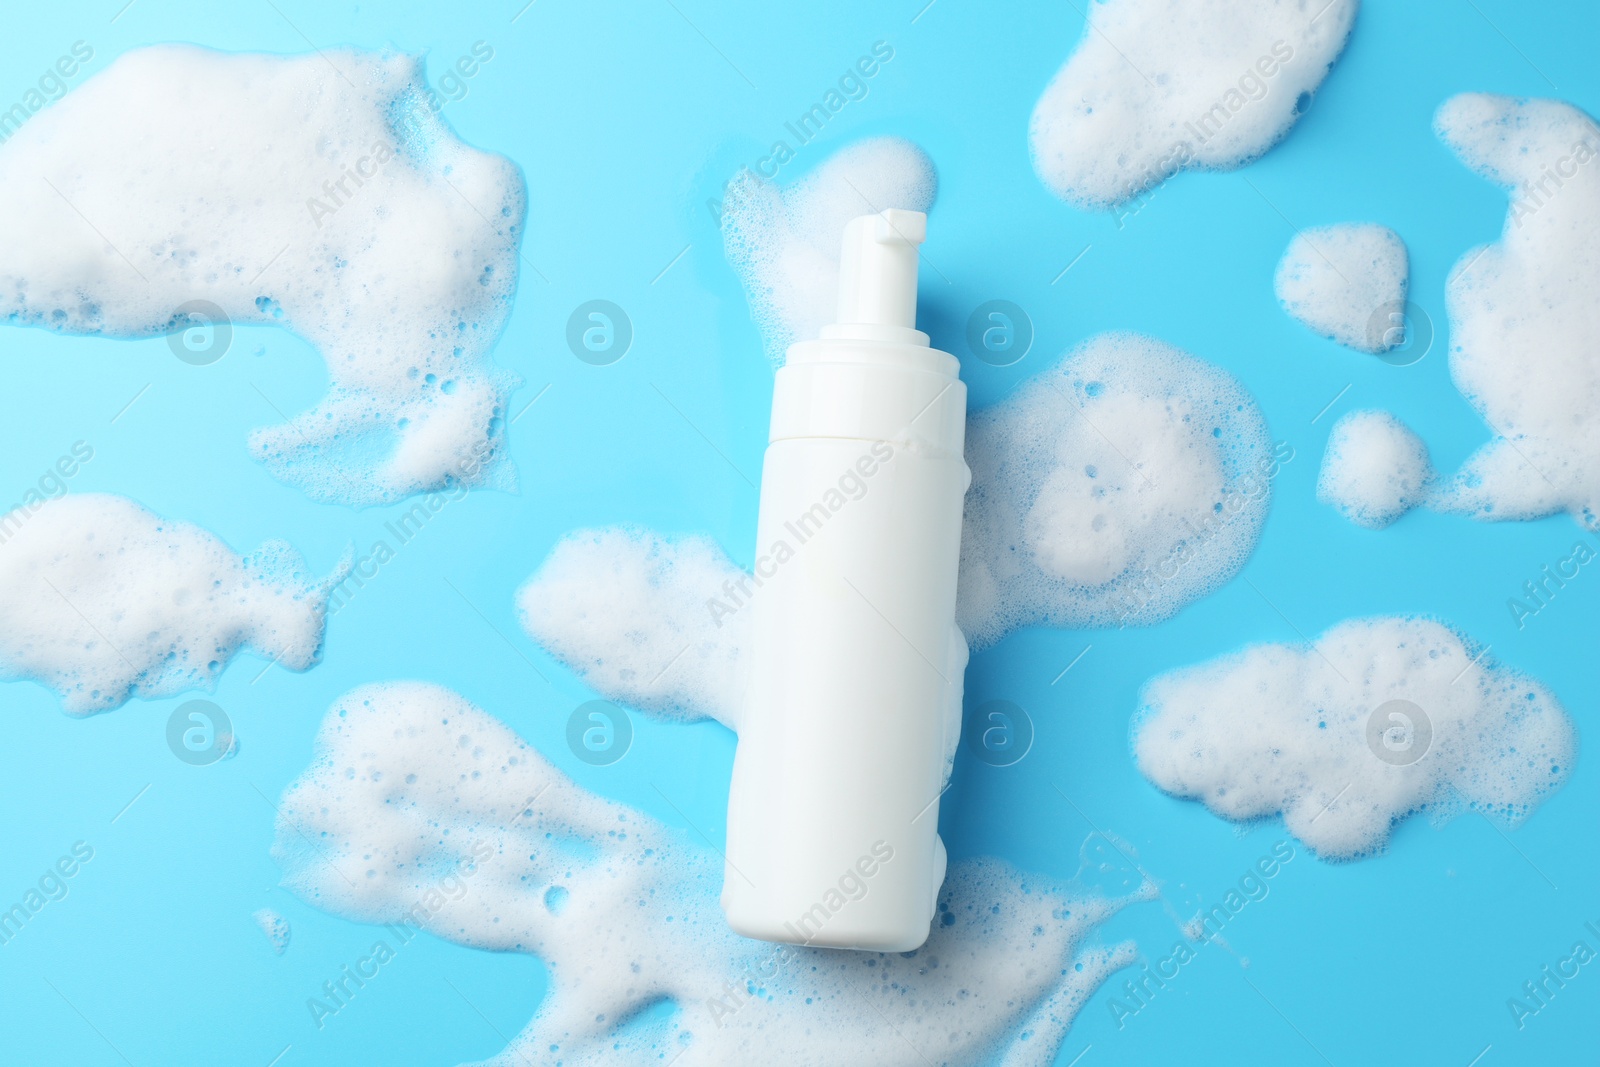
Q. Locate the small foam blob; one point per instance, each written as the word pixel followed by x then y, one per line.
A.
pixel 103 601
pixel 1159 86
pixel 1111 490
pixel 350 214
pixel 1347 283
pixel 660 624
pixel 1375 469
pixel 784 242
pixel 1376 720
pixel 1523 317
pixel 426 811
pixel 275 927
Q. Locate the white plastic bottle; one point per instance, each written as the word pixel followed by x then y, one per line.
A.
pixel 854 706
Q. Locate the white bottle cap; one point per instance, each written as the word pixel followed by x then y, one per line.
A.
pixel 878 278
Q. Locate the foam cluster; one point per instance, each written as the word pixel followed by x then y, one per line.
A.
pixel 1347 283
pixel 1111 490
pixel 275 928
pixel 658 623
pixel 1375 469
pixel 784 242
pixel 355 219
pixel 430 815
pixel 103 601
pixel 1376 720
pixel 1159 86
pixel 1523 317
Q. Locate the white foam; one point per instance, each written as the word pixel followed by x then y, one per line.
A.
pixel 275 927
pixel 102 601
pixel 422 806
pixel 784 243
pixel 1523 317
pixel 636 615
pixel 1345 282
pixel 1375 469
pixel 1307 732
pixel 1111 490
pixel 138 193
pixel 1157 86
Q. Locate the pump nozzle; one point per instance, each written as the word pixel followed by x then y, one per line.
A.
pixel 878 270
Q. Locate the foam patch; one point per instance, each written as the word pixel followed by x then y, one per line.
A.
pixel 1523 318
pixel 429 815
pixel 1375 469
pixel 1159 86
pixel 1111 490
pixel 350 214
pixel 1346 283
pixel 644 620
pixel 103 601
pixel 275 927
pixel 1378 719
pixel 784 243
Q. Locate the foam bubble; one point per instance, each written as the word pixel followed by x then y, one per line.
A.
pixel 275 927
pixel 1111 490
pixel 102 601
pixel 1376 720
pixel 643 619
pixel 784 243
pixel 1375 469
pixel 1523 317
pixel 428 814
pixel 1158 86
pixel 350 215
pixel 1343 282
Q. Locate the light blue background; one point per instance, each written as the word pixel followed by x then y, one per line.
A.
pixel 625 118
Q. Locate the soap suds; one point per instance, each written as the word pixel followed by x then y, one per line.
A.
pixel 1111 490
pixel 638 616
pixel 275 927
pixel 428 814
pixel 1158 86
pixel 103 601
pixel 349 214
pixel 1378 719
pixel 1523 314
pixel 1375 469
pixel 784 242
pixel 1347 283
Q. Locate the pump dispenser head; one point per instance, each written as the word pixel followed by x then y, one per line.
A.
pixel 878 278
